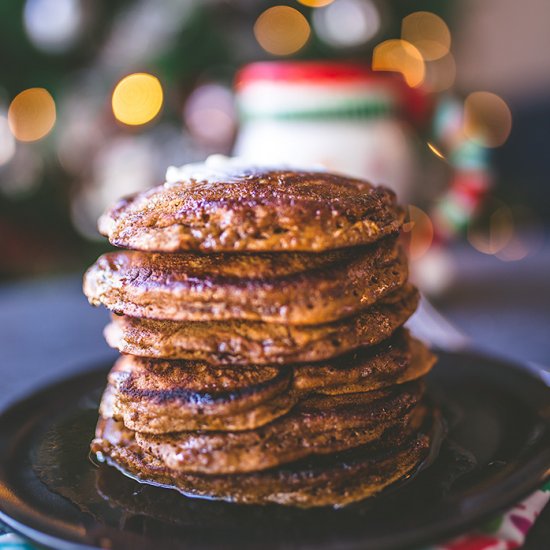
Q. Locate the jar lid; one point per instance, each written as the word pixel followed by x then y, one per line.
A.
pixel 304 71
pixel 321 89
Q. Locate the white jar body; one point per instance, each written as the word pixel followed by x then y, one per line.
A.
pixel 379 150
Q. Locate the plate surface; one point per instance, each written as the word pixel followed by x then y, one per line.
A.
pixel 496 452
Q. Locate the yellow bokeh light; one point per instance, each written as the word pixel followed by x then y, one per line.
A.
pixel 32 114
pixel 281 30
pixel 315 3
pixel 428 32
pixel 435 150
pixel 137 99
pixel 400 56
pixel 419 232
pixel 487 119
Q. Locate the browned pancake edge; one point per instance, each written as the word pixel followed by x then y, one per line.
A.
pixel 249 342
pixel 156 396
pixel 339 481
pixel 316 425
pixel 290 288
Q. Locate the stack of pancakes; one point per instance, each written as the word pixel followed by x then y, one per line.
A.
pixel 259 313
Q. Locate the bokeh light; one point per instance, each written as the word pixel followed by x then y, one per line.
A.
pixel 53 25
pixel 209 114
pixel 435 271
pixel 7 142
pixel 32 114
pixel 435 150
pixel 80 130
pixel 528 236
pixel 440 74
pixel 493 227
pixel 315 3
pixel 487 119
pixel 22 174
pixel 428 32
pixel 142 31
pixel 281 30
pixel 400 56
pixel 137 99
pixel 419 232
pixel 124 165
pixel 347 23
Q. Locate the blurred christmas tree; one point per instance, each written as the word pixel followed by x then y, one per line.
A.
pixel 70 149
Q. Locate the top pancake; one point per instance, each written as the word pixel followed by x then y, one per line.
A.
pixel 254 210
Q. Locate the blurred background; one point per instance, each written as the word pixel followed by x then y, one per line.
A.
pixel 77 131
pixel 447 102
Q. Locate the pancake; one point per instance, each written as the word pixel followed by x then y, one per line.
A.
pixel 254 210
pixel 290 288
pixel 160 396
pixel 321 481
pixel 396 361
pixel 260 314
pixel 317 425
pixel 155 396
pixel 251 342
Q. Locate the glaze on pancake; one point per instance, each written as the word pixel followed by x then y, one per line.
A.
pixel 254 210
pixel 260 315
pixel 290 288
pixel 155 396
pixel 335 480
pixel 317 425
pixel 250 342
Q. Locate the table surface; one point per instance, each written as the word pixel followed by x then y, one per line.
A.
pixel 48 331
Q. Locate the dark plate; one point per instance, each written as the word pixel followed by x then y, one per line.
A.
pixel 497 451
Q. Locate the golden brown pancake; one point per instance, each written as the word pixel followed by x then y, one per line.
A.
pixel 335 480
pixel 254 210
pixel 317 425
pixel 274 368
pixel 155 396
pixel 286 287
pixel 250 342
pixel 395 361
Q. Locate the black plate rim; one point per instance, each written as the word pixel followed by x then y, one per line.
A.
pixel 510 493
